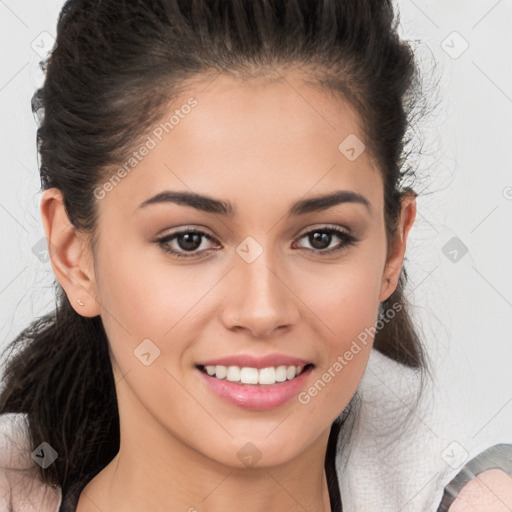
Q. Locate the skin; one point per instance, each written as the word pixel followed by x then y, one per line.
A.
pixel 261 146
pixel 490 491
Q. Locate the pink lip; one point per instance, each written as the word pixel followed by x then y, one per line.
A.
pixel 247 360
pixel 256 396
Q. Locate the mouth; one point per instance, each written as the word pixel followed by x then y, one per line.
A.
pixel 255 388
pixel 254 376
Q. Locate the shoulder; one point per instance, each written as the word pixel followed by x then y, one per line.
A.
pixel 393 440
pixel 20 487
pixel 484 484
pixel 399 443
pixel 491 491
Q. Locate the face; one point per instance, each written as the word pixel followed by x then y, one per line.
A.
pixel 261 280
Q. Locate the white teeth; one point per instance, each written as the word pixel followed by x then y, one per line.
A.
pixel 248 375
pixel 281 373
pixel 221 372
pixel 233 373
pixel 267 376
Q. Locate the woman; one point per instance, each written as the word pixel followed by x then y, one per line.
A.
pixel 226 218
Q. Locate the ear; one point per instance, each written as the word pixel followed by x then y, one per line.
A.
pixel 70 254
pixel 397 246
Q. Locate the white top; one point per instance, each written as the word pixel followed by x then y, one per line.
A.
pixel 20 489
pixel 396 460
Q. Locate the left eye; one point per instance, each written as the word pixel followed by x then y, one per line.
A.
pixel 191 240
pixel 319 237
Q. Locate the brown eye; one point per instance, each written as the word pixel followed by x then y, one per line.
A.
pixel 186 241
pixel 321 238
pixel 189 241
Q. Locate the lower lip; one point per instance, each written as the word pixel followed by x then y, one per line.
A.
pixel 256 396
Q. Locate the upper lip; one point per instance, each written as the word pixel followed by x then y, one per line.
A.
pixel 247 360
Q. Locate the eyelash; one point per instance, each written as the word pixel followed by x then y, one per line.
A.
pixel 347 238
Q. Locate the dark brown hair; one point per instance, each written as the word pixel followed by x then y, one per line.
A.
pixel 112 74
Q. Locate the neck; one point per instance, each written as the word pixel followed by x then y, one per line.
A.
pixel 118 487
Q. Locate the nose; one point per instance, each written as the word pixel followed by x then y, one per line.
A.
pixel 259 298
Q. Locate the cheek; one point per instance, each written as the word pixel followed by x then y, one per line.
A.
pixel 345 297
pixel 145 295
pixel 145 298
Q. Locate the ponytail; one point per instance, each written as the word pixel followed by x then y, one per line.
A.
pixel 61 376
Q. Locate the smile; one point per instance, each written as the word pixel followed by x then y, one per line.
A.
pixel 252 388
pixel 249 375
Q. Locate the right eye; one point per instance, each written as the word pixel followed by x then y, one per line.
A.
pixel 185 241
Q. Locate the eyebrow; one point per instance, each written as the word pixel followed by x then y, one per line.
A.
pixel 210 205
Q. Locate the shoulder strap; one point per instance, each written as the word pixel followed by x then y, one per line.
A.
pixel 498 456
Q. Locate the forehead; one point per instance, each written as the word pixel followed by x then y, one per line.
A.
pixel 266 114
pixel 258 138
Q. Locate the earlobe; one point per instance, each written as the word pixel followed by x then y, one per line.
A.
pixel 70 254
pixel 398 244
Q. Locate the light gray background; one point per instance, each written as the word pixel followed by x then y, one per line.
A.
pixel 463 307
